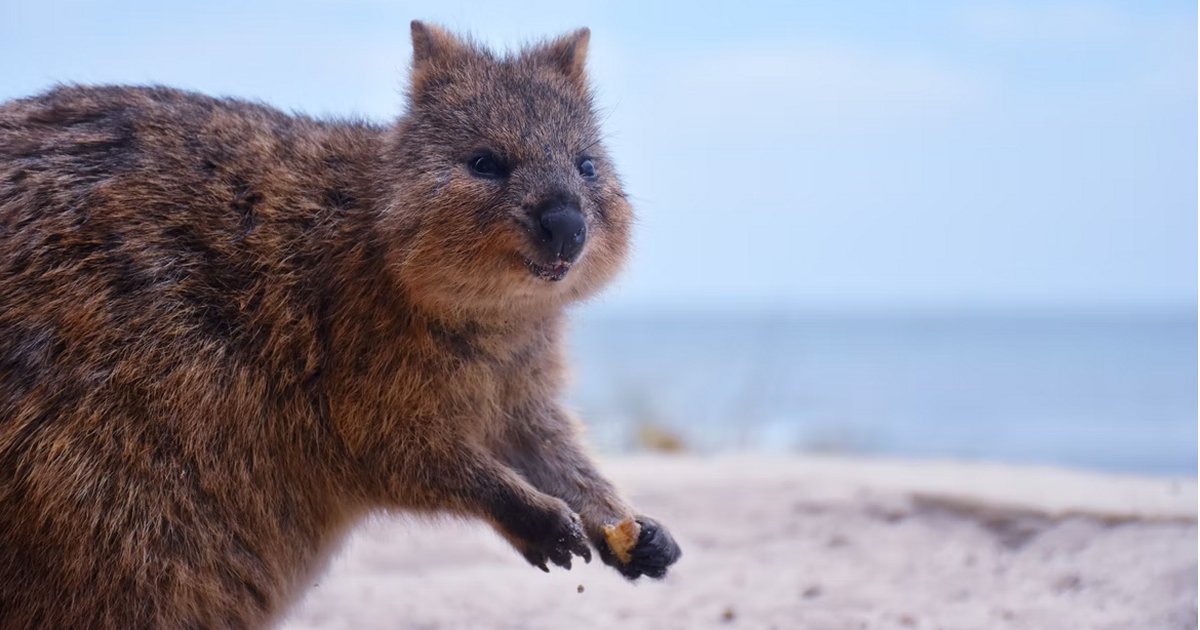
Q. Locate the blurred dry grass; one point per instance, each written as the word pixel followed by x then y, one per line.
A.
pixel 655 437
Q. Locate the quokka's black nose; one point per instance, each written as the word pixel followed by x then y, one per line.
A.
pixel 563 232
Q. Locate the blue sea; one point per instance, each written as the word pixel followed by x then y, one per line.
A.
pixel 1113 392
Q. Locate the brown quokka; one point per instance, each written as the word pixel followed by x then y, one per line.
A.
pixel 227 333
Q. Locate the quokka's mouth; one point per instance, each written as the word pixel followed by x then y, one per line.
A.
pixel 551 273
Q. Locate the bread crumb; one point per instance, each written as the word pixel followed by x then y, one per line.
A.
pixel 622 538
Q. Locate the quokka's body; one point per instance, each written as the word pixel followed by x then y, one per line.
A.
pixel 227 333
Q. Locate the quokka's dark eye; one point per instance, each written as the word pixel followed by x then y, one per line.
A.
pixel 587 168
pixel 487 166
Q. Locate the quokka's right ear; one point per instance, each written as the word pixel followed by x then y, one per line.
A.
pixel 567 54
pixel 433 43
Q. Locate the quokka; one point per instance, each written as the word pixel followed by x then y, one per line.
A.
pixel 228 333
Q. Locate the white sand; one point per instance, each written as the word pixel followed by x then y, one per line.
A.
pixel 823 543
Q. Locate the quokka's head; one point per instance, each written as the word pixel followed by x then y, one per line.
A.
pixel 508 197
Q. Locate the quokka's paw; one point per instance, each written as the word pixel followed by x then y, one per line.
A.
pixel 654 552
pixel 556 540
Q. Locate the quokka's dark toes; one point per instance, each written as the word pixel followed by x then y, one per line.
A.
pixel 655 551
pixel 559 545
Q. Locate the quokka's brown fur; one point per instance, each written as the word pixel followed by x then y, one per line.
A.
pixel 227 333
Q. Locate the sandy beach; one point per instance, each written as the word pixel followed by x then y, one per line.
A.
pixel 808 542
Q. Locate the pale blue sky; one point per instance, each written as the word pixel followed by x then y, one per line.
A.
pixel 813 155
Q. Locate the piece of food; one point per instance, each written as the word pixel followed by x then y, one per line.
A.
pixel 622 538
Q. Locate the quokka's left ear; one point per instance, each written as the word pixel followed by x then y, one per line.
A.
pixel 433 44
pixel 567 54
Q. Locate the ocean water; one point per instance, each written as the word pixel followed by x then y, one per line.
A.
pixel 1111 392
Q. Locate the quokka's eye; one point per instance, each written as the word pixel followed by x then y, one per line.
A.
pixel 487 166
pixel 587 168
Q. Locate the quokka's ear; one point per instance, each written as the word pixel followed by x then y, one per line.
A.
pixel 567 54
pixel 432 43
